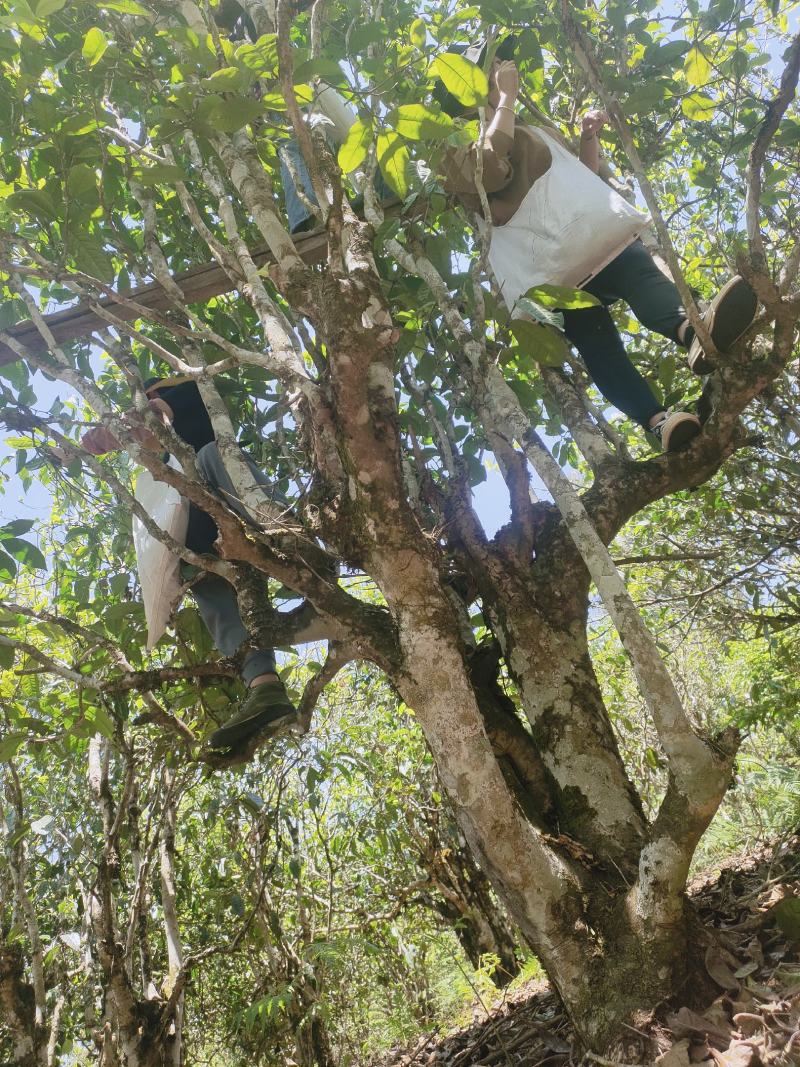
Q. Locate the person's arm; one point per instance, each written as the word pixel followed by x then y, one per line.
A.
pixel 461 163
pixel 506 79
pixel 593 121
pixel 335 108
pixel 99 440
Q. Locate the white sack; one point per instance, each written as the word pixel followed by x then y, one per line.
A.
pixel 159 568
pixel 568 227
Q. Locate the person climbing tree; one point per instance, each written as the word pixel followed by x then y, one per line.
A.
pixel 554 221
pixel 267 708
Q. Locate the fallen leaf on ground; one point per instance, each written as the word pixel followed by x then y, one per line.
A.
pixel 677 1056
pixel 686 1022
pixel 738 1055
pixel 720 966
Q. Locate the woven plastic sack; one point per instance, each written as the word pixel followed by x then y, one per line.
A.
pixel 159 568
pixel 569 226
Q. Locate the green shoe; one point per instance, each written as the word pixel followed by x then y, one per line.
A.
pixel 267 709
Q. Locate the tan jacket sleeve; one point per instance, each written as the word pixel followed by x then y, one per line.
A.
pixel 460 166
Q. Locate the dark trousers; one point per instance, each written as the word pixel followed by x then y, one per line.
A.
pixel 216 598
pixel 653 298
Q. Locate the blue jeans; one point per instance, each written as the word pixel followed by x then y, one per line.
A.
pixel 655 301
pixel 216 598
pixel 296 211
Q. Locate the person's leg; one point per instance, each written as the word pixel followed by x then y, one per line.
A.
pixel 653 298
pixel 299 216
pixel 594 335
pixel 210 465
pixel 267 708
pixel 655 301
pixel 219 609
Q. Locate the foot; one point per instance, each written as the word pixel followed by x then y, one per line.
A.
pixel 729 314
pixel 676 430
pixel 267 710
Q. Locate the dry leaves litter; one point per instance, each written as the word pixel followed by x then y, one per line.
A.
pixel 753 903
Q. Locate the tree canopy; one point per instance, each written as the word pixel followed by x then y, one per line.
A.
pixel 371 369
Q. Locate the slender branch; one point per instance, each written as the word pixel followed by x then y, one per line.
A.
pixel 755 160
pixel 339 655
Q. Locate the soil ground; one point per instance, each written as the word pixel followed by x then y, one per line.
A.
pixel 753 902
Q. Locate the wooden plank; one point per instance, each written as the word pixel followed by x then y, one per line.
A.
pixel 198 284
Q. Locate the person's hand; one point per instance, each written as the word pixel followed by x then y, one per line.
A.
pixel 506 78
pixel 59 455
pixel 593 121
pixel 162 409
pixel 99 441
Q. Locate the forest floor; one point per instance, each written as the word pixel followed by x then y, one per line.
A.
pixel 753 902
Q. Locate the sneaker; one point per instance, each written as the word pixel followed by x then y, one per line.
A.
pixel 676 430
pixel 729 314
pixel 267 710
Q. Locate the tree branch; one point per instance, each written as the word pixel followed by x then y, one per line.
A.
pixel 755 160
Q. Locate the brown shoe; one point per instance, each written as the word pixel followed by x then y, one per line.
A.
pixel 676 430
pixel 729 314
pixel 267 710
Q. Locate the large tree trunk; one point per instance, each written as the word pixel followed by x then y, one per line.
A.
pixel 27 1040
pixel 312 1043
pixel 601 903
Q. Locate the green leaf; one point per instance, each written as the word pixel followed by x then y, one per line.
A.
pixel 228 116
pixel 465 80
pixel 125 7
pixel 33 201
pixel 697 68
pixel 41 826
pixel 529 49
pixel 662 55
pixel 417 34
pixel 115 612
pixel 10 744
pixel 16 527
pixel 102 721
pixel 542 343
pixel 698 107
pixel 8 568
pixel 261 57
pixel 419 123
pixel 394 158
pixel 23 12
pixel 228 79
pixel 327 69
pixel 82 182
pixel 48 7
pixel 6 658
pixel 90 256
pixel 363 36
pixel 79 124
pixel 561 296
pixel 648 97
pixel 25 553
pixel 354 149
pixel 160 173
pixel 94 45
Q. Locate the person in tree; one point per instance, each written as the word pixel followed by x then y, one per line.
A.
pixel 267 708
pixel 554 221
